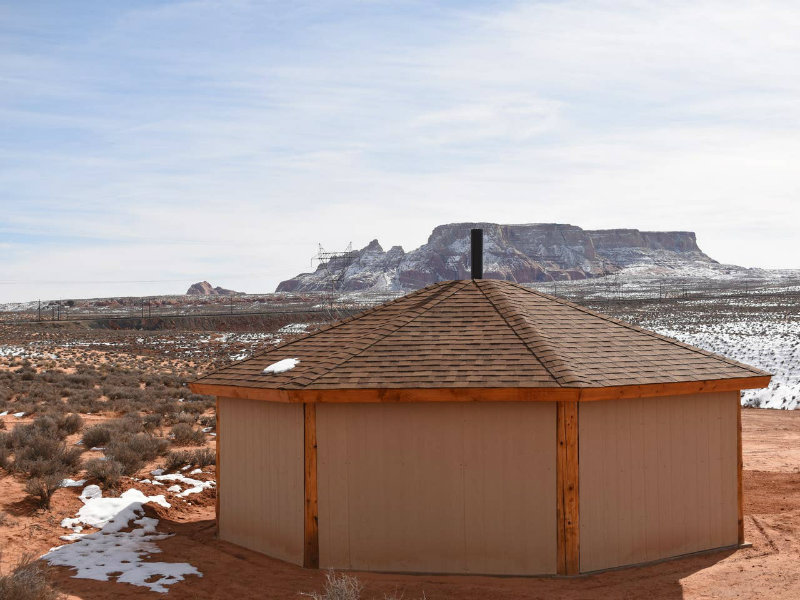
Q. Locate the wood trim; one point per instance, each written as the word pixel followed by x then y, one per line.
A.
pixel 567 489
pixel 652 390
pixel 739 467
pixel 561 556
pixel 456 394
pixel 217 468
pixel 311 522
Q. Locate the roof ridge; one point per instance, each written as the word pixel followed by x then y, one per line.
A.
pixel 451 286
pixel 558 368
pixel 638 329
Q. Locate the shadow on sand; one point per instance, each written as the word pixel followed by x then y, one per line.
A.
pixel 230 571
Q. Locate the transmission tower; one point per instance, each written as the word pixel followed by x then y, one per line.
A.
pixel 335 265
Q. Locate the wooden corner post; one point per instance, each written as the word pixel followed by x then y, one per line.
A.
pixel 739 467
pixel 216 449
pixel 311 526
pixel 567 485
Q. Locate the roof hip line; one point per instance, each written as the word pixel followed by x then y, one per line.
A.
pixel 530 337
pixel 664 338
pixel 423 308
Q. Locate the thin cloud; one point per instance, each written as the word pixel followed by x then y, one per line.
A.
pixel 178 140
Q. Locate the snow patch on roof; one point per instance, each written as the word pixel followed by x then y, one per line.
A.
pixel 281 366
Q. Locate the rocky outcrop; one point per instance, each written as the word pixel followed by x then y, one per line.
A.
pixel 521 253
pixel 203 288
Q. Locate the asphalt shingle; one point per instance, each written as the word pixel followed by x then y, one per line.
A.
pixel 480 334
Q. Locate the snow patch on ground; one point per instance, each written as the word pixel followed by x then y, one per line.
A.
pixel 110 514
pixel 72 482
pixel 112 552
pixel 195 485
pixel 293 328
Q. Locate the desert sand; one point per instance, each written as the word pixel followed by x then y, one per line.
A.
pixel 770 569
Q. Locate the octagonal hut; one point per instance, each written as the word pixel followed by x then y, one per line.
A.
pixel 480 427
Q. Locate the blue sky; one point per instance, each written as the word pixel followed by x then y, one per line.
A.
pixel 155 144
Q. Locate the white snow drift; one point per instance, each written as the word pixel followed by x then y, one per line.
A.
pixel 112 552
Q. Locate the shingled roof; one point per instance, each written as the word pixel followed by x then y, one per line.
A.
pixel 480 334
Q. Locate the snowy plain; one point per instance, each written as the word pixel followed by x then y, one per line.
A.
pixel 753 321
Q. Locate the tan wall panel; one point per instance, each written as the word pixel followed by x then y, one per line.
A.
pixel 657 478
pixel 261 465
pixel 450 488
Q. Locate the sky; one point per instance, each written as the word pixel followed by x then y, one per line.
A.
pixel 148 145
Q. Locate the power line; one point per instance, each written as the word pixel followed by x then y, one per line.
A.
pixel 113 281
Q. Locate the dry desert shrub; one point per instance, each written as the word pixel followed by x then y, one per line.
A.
pixel 96 436
pixel 82 379
pixel 202 457
pixel 184 434
pixel 152 422
pixel 208 421
pixel 42 487
pixel 131 451
pixel 185 417
pixel 5 454
pixel 338 586
pixel 37 454
pixel 106 472
pixel 28 581
pixel 71 423
pixel 85 401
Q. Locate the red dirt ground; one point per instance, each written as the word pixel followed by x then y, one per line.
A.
pixel 768 570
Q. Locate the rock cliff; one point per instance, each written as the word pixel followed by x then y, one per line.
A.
pixel 521 253
pixel 203 288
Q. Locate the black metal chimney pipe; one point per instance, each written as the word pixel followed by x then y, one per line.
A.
pixel 476 247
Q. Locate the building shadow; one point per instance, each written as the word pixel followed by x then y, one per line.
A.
pixel 230 571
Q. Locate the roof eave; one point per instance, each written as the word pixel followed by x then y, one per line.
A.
pixel 478 394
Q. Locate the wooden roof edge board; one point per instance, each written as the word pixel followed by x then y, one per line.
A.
pixel 477 394
pixel 665 338
pixel 680 388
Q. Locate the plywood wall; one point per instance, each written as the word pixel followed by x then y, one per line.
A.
pixel 438 487
pixel 261 476
pixel 658 478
